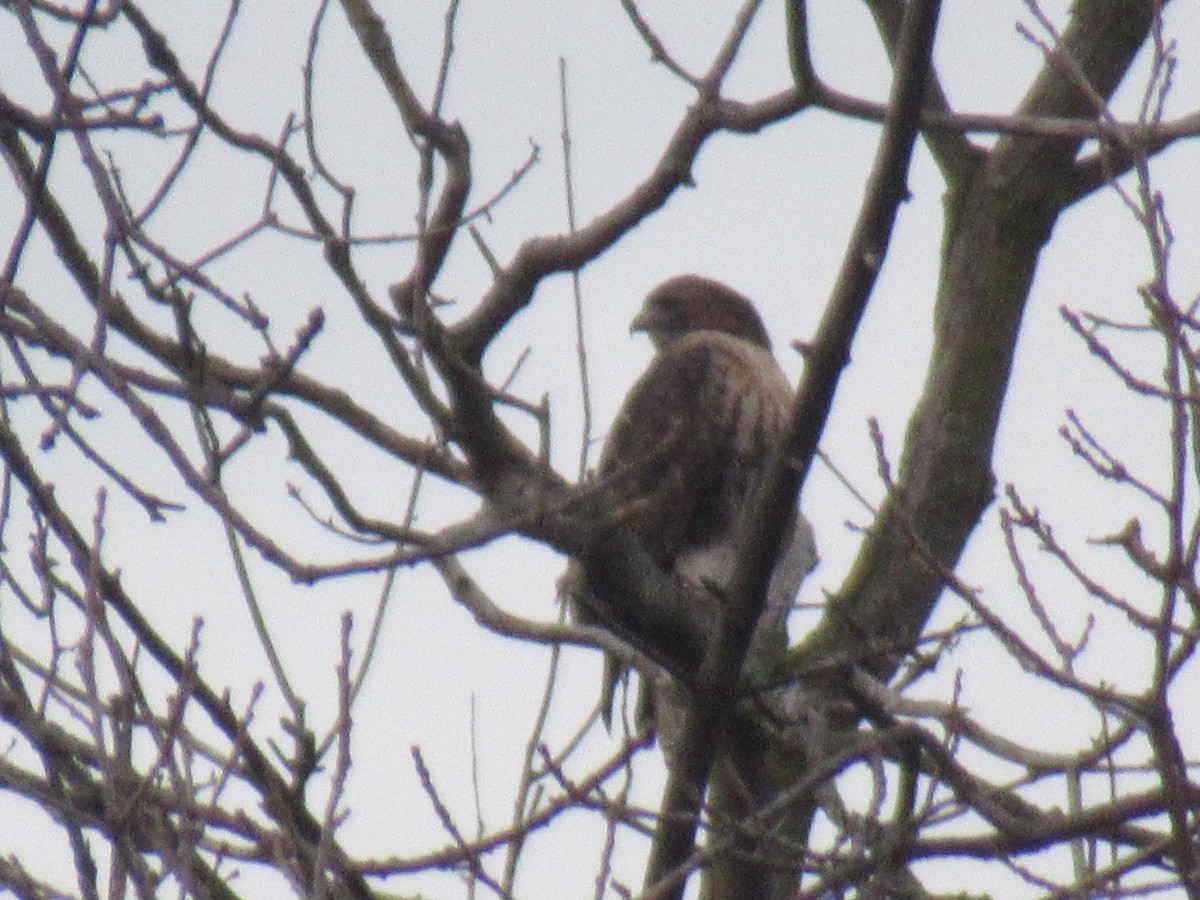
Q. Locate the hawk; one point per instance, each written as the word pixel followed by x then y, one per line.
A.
pixel 692 440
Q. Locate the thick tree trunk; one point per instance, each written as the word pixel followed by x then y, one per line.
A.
pixel 1001 207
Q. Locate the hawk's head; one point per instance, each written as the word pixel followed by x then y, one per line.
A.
pixel 689 303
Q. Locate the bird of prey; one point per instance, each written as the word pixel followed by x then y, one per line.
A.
pixel 692 441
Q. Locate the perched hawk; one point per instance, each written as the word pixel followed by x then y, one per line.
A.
pixel 693 438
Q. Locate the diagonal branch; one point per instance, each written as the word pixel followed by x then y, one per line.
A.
pixel 998 219
pixel 766 527
pixel 954 153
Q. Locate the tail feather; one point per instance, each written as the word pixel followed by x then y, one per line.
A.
pixel 616 673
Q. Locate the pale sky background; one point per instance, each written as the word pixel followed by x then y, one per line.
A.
pixel 770 215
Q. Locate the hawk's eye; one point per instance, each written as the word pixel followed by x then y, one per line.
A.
pixel 671 308
pixel 667 304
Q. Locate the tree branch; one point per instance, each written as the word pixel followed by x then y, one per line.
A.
pixel 763 532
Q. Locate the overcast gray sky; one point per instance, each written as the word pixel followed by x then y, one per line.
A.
pixel 770 215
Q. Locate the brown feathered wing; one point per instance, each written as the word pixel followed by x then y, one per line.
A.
pixel 686 454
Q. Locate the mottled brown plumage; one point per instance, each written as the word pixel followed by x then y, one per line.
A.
pixel 693 438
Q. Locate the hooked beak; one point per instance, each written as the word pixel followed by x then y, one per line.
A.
pixel 644 321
